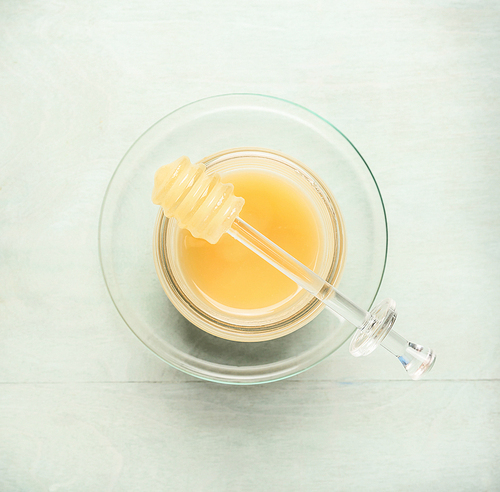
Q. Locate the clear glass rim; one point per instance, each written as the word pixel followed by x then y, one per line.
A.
pixel 207 374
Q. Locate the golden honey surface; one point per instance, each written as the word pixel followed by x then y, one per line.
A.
pixel 228 273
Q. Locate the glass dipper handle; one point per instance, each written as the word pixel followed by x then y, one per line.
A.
pixel 373 328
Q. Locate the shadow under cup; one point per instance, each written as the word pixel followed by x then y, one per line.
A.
pixel 260 324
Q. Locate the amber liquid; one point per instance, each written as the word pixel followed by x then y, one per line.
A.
pixel 228 274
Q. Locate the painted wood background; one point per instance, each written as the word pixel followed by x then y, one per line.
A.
pixel 415 84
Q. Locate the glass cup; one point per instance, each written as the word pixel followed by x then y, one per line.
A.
pixel 127 246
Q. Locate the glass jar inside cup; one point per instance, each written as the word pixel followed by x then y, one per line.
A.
pixel 285 315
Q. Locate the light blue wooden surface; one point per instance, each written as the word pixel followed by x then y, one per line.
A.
pixel 84 406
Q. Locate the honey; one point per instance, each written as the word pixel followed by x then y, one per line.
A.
pixel 228 275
